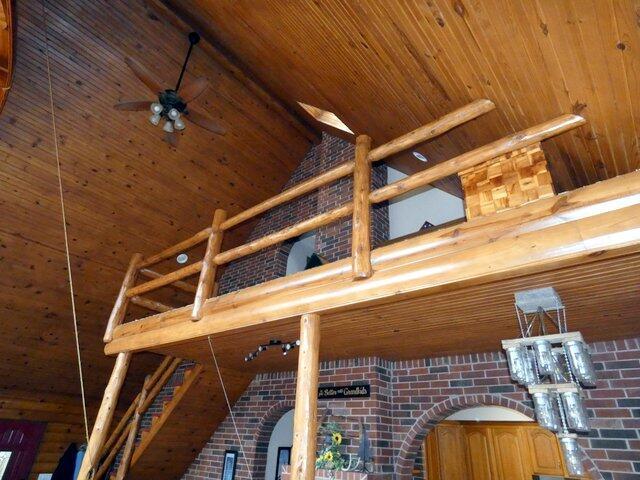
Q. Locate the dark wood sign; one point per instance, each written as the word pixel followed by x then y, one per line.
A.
pixel 344 391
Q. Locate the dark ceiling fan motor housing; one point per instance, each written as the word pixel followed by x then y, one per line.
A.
pixel 169 99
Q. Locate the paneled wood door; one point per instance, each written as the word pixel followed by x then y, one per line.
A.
pixel 451 449
pixel 510 454
pixel 480 459
pixel 21 438
pixel 545 455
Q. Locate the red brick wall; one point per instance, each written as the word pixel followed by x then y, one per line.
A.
pixel 332 242
pixel 408 398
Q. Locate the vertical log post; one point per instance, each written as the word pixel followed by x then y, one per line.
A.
pixel 127 453
pixel 120 307
pixel 209 266
pixel 105 415
pixel 305 423
pixel 361 225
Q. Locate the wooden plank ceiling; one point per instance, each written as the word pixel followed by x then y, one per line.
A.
pixel 125 189
pixel 602 301
pixel 385 67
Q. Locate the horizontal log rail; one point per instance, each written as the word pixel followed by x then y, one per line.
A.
pixel 477 156
pixel 285 234
pixel 169 252
pixel 300 189
pixel 167 279
pixel 150 304
pixel 184 286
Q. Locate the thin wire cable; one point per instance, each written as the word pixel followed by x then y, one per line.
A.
pixel 233 418
pixel 64 224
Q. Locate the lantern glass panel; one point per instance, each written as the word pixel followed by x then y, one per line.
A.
pixel 575 412
pixel 580 362
pixel 544 357
pixel 546 413
pixel 572 456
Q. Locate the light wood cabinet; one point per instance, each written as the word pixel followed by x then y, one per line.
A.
pixel 491 451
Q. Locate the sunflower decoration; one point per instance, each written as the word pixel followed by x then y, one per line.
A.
pixel 330 457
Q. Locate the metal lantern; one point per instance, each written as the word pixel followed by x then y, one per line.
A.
pixel 572 456
pixel 517 359
pixel 580 362
pixel 546 412
pixel 531 373
pixel 574 411
pixel 544 357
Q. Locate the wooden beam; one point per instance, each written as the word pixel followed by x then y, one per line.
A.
pixel 305 422
pixel 164 280
pixel 285 234
pixel 184 286
pixel 209 266
pixel 192 241
pixel 567 229
pixel 361 224
pixel 432 129
pixel 294 192
pixel 504 145
pixel 127 453
pixel 122 301
pixel 105 415
pixel 151 304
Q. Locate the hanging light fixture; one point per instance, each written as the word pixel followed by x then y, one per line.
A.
pixel 554 367
pixel 546 412
pixel 571 454
pixel 580 362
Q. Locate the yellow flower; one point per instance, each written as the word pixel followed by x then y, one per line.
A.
pixel 328 456
pixel 336 438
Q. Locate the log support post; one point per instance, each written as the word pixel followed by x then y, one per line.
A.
pixel 127 454
pixel 105 415
pixel 361 225
pixel 209 266
pixel 120 307
pixel 305 423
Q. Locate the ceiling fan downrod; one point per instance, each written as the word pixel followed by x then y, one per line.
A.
pixel 194 38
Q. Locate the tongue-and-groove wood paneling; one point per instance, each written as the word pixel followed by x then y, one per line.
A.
pixel 387 66
pixel 125 189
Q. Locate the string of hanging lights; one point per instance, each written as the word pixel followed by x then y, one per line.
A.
pixel 554 367
pixel 286 347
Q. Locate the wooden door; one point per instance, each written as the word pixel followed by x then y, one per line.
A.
pixel 544 452
pixel 451 450
pixel 22 439
pixel 431 457
pixel 511 458
pixel 480 455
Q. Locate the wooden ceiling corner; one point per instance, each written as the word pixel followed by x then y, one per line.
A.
pixel 184 21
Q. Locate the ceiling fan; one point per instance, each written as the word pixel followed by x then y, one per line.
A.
pixel 172 103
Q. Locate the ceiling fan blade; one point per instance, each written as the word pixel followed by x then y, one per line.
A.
pixel 194 89
pixel 203 121
pixel 133 106
pixel 171 138
pixel 144 75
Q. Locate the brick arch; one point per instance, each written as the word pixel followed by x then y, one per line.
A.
pixel 263 435
pixel 414 438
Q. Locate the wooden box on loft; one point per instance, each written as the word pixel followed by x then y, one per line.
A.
pixel 506 182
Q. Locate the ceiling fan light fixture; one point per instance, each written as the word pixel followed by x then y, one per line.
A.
pixel 154 119
pixel 156 108
pixel 178 124
pixel 168 126
pixel 173 114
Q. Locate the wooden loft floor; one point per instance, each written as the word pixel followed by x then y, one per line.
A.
pixel 446 292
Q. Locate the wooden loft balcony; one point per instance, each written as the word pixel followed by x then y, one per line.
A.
pixel 398 300
pixel 425 294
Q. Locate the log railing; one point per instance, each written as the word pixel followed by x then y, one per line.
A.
pixel 126 429
pixel 358 208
